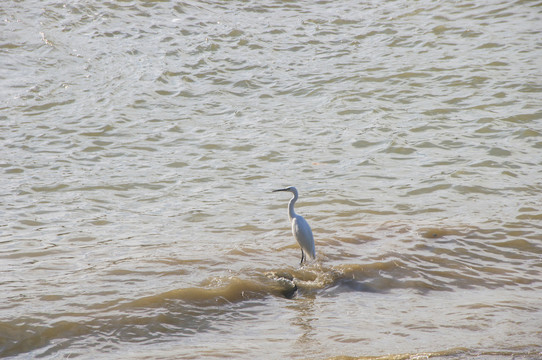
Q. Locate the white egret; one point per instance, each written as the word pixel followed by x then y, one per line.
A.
pixel 300 227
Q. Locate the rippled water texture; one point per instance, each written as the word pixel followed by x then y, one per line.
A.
pixel 140 142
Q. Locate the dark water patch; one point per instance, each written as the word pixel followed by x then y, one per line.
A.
pixel 51 188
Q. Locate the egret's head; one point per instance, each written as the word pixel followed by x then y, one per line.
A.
pixel 291 189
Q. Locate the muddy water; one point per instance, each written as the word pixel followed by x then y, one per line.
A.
pixel 140 142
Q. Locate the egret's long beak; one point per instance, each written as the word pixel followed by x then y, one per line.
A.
pixel 280 190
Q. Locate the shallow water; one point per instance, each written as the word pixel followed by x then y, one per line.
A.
pixel 140 142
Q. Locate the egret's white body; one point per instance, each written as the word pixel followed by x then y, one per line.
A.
pixel 300 227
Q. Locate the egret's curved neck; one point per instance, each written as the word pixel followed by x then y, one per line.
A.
pixel 291 212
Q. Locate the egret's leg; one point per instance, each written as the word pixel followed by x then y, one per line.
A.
pixel 302 257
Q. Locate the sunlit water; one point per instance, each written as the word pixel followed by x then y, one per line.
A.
pixel 140 142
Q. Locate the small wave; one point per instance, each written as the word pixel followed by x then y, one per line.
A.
pixel 230 290
pixel 456 353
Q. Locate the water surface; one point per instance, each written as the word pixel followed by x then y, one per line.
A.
pixel 140 142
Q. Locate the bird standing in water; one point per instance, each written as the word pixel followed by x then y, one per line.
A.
pixel 300 227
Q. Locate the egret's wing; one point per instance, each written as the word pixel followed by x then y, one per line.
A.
pixel 303 234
